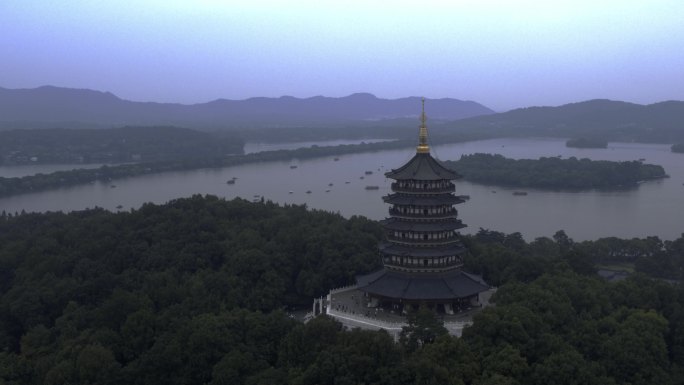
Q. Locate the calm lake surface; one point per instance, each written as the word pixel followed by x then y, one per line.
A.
pixel 654 208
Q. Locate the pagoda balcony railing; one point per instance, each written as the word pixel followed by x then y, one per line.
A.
pixel 419 215
pixel 423 269
pixel 449 188
pixel 422 242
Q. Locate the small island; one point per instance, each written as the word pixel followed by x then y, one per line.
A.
pixel 554 173
pixel 586 143
pixel 678 148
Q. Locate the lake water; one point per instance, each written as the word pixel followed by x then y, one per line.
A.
pixel 654 208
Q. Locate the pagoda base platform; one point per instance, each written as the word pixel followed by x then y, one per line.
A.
pixel 356 309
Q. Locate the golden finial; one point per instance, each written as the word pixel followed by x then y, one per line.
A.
pixel 423 147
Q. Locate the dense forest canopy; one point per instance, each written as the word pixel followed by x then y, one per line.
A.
pixel 554 173
pixel 197 291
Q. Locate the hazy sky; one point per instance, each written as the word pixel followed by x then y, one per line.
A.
pixel 504 54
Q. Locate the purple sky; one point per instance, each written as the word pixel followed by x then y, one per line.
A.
pixel 504 54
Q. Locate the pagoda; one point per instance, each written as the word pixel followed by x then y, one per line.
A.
pixel 422 254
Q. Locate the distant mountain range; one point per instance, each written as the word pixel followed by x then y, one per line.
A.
pixel 65 107
pixel 363 115
pixel 599 119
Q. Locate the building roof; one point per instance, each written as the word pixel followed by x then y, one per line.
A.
pixel 422 167
pixel 398 285
pixel 390 248
pixel 422 200
pixel 436 225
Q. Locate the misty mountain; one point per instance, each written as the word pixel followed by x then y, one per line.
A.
pixel 600 119
pixel 53 106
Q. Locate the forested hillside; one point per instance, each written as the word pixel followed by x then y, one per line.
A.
pixel 113 145
pixel 592 119
pixel 197 291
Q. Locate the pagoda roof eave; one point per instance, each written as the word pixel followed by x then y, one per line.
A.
pixel 443 286
pixel 422 167
pixel 419 200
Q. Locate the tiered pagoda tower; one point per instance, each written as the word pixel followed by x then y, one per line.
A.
pixel 422 255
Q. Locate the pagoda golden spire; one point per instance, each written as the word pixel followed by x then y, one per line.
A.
pixel 423 147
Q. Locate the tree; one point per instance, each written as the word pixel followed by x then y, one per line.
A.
pixel 637 353
pixel 96 364
pixel 508 362
pixel 423 328
pixel 567 367
pixel 454 356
